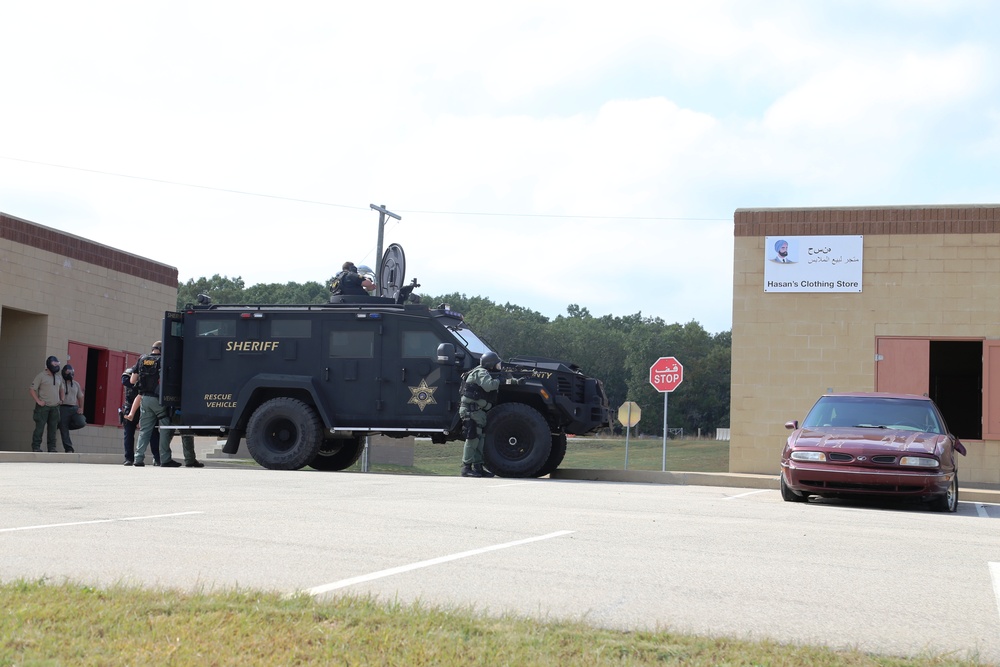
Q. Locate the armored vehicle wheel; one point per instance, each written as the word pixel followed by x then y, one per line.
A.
pixel 338 454
pixel 518 440
pixel 555 456
pixel 284 434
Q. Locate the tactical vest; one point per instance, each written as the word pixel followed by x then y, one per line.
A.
pixel 149 374
pixel 337 284
pixel 472 391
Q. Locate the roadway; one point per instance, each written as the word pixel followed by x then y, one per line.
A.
pixel 721 560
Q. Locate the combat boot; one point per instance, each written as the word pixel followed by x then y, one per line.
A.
pixel 483 472
pixel 468 470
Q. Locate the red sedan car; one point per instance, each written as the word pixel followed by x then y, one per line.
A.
pixel 872 444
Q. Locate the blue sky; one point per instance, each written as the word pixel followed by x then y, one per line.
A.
pixel 542 154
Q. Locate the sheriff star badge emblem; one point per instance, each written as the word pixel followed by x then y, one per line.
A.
pixel 422 395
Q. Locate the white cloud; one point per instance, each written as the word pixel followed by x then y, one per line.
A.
pixel 663 110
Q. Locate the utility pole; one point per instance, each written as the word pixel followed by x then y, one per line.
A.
pixel 382 213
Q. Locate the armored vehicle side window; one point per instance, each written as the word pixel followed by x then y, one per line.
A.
pixel 223 328
pixel 420 344
pixel 291 328
pixel 352 344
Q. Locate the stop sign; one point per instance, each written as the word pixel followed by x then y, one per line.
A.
pixel 666 374
pixel 629 414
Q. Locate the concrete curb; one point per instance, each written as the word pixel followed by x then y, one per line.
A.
pixel 741 480
pixel 723 479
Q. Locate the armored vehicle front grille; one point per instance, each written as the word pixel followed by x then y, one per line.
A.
pixel 572 388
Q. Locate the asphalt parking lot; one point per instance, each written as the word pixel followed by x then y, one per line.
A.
pixel 733 561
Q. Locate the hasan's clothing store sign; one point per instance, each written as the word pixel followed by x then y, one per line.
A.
pixel 813 263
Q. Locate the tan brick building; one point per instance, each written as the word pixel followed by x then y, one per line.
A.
pixel 925 319
pixel 63 295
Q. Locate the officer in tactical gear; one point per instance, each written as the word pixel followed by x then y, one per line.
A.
pixel 129 417
pixel 476 388
pixel 46 390
pixel 146 375
pixel 350 283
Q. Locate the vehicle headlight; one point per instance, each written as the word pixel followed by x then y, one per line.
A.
pixel 808 456
pixel 918 462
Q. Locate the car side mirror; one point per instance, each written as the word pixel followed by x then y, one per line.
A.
pixel 792 425
pixel 446 354
pixel 959 447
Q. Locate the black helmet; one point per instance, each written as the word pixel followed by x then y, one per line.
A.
pixel 490 360
pixel 52 363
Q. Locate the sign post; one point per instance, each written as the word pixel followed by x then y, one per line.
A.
pixel 665 375
pixel 628 414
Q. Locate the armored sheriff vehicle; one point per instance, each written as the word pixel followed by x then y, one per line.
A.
pixel 304 384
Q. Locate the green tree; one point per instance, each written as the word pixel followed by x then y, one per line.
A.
pixel 221 289
pixel 276 293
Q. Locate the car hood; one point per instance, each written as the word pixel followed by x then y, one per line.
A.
pixel 868 440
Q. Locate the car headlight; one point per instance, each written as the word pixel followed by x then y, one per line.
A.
pixel 918 462
pixel 808 456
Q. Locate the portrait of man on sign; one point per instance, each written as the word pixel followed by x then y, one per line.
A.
pixel 782 254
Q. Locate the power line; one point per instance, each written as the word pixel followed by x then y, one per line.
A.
pixel 179 183
pixel 361 208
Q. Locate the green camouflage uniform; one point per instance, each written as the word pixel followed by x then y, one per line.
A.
pixel 476 411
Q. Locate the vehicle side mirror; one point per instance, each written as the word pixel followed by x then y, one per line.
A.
pixel 959 447
pixel 792 425
pixel 446 353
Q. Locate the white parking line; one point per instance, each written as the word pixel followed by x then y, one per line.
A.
pixel 981 510
pixel 343 583
pixel 995 575
pixel 84 523
pixel 748 493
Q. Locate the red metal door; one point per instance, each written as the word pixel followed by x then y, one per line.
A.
pixel 114 394
pixel 991 390
pixel 903 365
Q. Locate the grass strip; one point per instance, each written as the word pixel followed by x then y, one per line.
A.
pixel 69 624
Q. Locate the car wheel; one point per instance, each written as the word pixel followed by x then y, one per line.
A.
pixel 555 456
pixel 338 454
pixel 518 440
pixel 790 496
pixel 949 501
pixel 284 434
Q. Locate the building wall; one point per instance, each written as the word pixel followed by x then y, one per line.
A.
pixel 56 288
pixel 927 272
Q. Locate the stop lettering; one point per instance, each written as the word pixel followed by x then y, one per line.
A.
pixel 666 374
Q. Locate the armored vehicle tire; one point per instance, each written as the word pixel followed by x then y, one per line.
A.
pixel 555 456
pixel 518 440
pixel 284 434
pixel 338 454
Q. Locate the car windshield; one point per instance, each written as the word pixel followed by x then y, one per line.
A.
pixel 874 412
pixel 470 340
